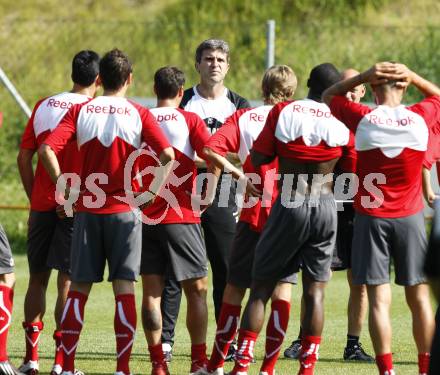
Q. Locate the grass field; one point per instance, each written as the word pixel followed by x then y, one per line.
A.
pixel 96 349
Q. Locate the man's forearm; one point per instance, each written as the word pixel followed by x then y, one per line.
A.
pixel 50 162
pixel 426 87
pixel 223 163
pixel 342 87
pixel 25 168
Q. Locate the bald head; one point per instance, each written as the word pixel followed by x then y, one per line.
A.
pixel 358 92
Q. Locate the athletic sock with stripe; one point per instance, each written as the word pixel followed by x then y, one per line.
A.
pixel 309 354
pixel 71 325
pixel 275 333
pixel 58 349
pixel 245 352
pixel 32 333
pixel 226 329
pixel 125 328
pixel 6 299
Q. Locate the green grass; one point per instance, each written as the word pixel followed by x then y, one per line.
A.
pixel 96 349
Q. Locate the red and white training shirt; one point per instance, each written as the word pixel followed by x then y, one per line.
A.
pixel 107 130
pixel 187 134
pixel 237 135
pixel 391 142
pixel 304 131
pixel 45 117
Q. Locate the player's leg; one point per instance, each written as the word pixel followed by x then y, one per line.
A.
pixel 316 259
pixel 7 283
pixel 219 229
pixel 239 279
pixel 197 319
pixel 170 306
pixel 418 299
pixel 294 350
pixel 123 246
pixel 41 229
pixel 275 258
pixel 153 269
pixel 371 256
pixel 357 308
pixel 379 322
pixel 87 266
pixel 59 259
pixel 410 249
pixel 187 256
pixel 277 324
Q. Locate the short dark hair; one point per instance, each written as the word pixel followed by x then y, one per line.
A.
pixel 321 78
pixel 212 44
pixel 114 69
pixel 85 67
pixel 167 82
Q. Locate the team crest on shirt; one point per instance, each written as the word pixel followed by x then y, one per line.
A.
pixel 213 124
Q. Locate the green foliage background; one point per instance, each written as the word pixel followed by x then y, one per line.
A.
pixel 38 39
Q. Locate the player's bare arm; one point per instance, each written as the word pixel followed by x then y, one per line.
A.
pixel 24 161
pixel 50 162
pixel 428 192
pixel 378 74
pixel 223 163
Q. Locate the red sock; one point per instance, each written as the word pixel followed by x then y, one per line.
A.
pixel 6 298
pixel 156 354
pixel 71 324
pixel 125 328
pixel 275 332
pixel 385 364
pixel 424 363
pixel 58 349
pixel 32 333
pixel 309 354
pixel 226 329
pixel 198 357
pixel 245 352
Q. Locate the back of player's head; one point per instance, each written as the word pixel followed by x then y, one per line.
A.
pixel 212 44
pixel 167 82
pixel 85 68
pixel 279 84
pixel 114 69
pixel 321 78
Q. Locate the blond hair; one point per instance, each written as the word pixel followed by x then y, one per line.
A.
pixel 279 84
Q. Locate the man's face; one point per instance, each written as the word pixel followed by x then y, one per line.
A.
pixel 356 94
pixel 213 66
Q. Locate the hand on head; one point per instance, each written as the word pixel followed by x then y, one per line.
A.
pixel 384 72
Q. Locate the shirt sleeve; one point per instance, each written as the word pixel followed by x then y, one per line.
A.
pixel 429 109
pixel 243 103
pixel 198 134
pixel 152 134
pixel 266 142
pixel 348 112
pixel 227 138
pixel 65 131
pixel 29 140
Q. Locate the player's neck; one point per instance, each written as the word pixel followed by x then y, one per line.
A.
pixel 173 103
pixel 208 91
pixel 390 99
pixel 88 91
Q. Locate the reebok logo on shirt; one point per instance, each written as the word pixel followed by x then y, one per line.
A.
pixel 377 120
pixel 90 108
